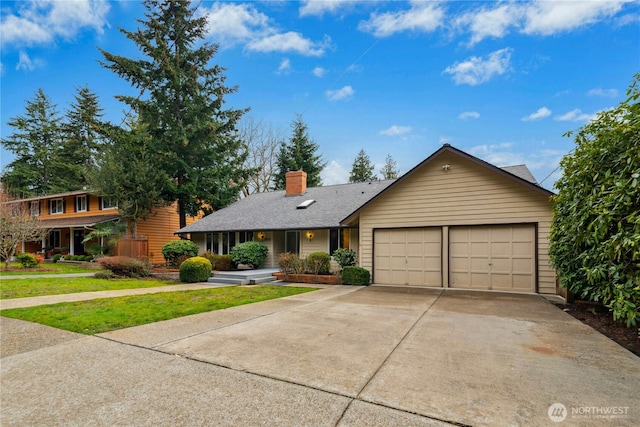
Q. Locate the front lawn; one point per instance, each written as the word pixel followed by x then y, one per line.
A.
pixel 62 268
pixel 22 288
pixel 108 314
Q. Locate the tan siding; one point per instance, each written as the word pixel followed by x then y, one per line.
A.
pixel 467 194
pixel 159 229
pixel 319 243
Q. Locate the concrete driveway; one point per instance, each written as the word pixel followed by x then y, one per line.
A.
pixel 341 356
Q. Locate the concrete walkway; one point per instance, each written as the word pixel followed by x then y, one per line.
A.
pixel 340 356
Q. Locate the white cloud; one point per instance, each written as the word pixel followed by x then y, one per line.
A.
pixel 339 94
pixel 608 93
pixel 42 22
pixel 396 130
pixel 26 63
pixel 469 115
pixel 476 70
pixel 538 115
pixel 575 115
pixel 545 17
pixel 539 17
pixel 319 72
pixel 318 8
pixel 487 22
pixel 231 23
pixel 421 17
pixel 334 173
pixel 285 67
pixel 289 42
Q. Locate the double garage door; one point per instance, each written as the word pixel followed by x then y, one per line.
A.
pixel 477 257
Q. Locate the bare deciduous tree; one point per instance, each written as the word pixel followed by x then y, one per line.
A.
pixel 263 142
pixel 17 226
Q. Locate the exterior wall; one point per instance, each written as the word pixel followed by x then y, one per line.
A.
pixel 466 194
pixel 319 243
pixel 159 229
pixel 69 202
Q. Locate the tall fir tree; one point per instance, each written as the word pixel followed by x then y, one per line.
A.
pixel 299 154
pixel 82 137
pixel 38 167
pixel 127 173
pixel 182 103
pixel 362 168
pixel 389 170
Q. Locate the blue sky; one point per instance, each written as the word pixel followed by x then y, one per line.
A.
pixel 500 80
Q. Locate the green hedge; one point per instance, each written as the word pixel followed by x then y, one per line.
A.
pixel 173 250
pixel 126 266
pixel 195 269
pixel 27 260
pixel 249 253
pixel 352 275
pixel 318 263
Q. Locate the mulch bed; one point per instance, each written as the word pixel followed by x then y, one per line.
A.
pixel 601 319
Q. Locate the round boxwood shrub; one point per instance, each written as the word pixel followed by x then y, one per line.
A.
pixel 318 263
pixel 173 250
pixel 352 275
pixel 195 269
pixel 249 253
pixel 27 260
pixel 57 257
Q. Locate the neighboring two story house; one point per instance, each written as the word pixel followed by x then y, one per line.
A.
pixel 72 215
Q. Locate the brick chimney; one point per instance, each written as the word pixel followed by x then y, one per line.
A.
pixel 296 183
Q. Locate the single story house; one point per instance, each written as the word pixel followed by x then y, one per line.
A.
pixel 452 221
pixel 70 216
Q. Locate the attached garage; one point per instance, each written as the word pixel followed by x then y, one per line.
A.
pixel 456 221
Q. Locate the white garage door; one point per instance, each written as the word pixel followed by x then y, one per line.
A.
pixel 492 257
pixel 408 256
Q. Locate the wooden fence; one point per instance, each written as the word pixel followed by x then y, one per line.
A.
pixel 133 246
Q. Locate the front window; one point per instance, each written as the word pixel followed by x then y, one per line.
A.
pixel 109 203
pixel 292 242
pixel 338 239
pixel 81 204
pixel 228 242
pixel 34 208
pixel 246 236
pixel 57 206
pixel 212 242
pixel 54 239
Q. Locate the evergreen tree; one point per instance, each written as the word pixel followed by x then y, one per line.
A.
pixel 299 154
pixel 82 137
pixel 362 169
pixel 127 173
pixel 38 167
pixel 389 170
pixel 181 102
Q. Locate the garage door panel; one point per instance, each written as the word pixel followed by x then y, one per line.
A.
pixel 408 257
pixel 498 257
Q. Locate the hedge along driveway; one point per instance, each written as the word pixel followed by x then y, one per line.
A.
pixel 108 314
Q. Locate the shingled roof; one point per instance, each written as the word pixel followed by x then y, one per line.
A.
pixel 276 211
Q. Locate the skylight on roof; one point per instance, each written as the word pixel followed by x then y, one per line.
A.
pixel 305 204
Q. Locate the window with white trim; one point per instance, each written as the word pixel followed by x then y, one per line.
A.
pixel 56 206
pixel 109 203
pixel 81 204
pixel 34 208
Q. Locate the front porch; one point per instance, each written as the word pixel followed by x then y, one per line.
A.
pixel 244 277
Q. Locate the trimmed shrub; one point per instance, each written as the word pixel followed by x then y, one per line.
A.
pixel 212 257
pixel 318 263
pixel 345 257
pixel 249 253
pixel 289 263
pixel 57 257
pixel 124 266
pixel 224 263
pixel 173 250
pixel 27 260
pixel 195 269
pixel 352 275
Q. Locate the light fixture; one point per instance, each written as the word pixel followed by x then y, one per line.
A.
pixel 446 167
pixel 310 235
pixel 260 235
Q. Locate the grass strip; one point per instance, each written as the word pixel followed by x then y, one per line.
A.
pixel 23 288
pixel 109 314
pixel 18 270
